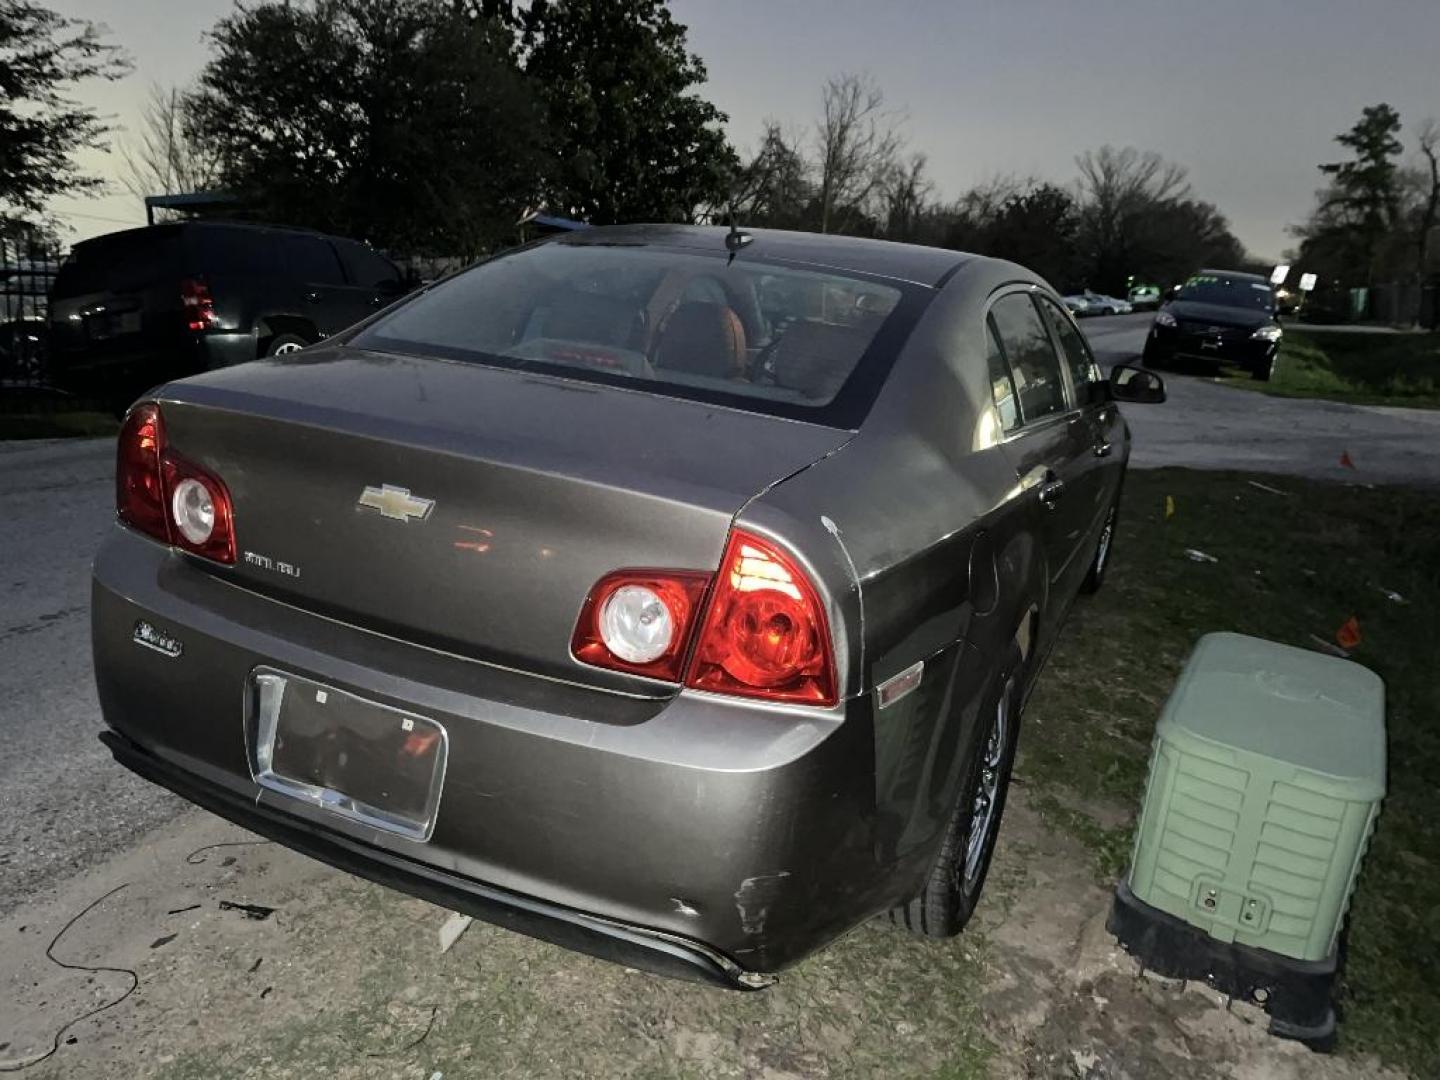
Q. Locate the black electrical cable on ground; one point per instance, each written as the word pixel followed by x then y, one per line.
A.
pixel 50 954
pixel 193 861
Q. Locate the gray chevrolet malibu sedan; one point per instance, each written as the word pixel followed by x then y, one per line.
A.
pixel 668 593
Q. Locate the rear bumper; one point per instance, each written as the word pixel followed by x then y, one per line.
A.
pixel 715 837
pixel 633 946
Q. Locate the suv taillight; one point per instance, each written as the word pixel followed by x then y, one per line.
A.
pixel 765 633
pixel 199 305
pixel 164 495
pixel 761 633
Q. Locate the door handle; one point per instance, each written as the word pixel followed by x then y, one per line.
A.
pixel 1102 449
pixel 1050 492
pixel 313 297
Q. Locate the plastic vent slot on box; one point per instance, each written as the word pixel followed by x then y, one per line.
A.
pixel 1265 780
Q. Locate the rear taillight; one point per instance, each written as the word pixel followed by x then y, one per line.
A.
pixel 198 304
pixel 765 633
pixel 640 621
pixel 762 633
pixel 164 495
pixel 139 496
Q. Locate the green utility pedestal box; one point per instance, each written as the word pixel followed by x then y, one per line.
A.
pixel 1266 776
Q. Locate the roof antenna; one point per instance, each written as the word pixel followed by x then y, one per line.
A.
pixel 736 239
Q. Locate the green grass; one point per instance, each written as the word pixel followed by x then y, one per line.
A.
pixel 1290 565
pixel 1365 369
pixel 56 425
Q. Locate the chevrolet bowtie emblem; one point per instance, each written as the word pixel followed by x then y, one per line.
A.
pixel 396 502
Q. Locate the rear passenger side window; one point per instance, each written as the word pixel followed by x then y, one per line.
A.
pixel 224 250
pixel 310 259
pixel 365 267
pixel 1084 374
pixel 1002 386
pixel 1035 368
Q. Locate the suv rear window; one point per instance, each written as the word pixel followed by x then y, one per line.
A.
pixel 802 342
pixel 122 262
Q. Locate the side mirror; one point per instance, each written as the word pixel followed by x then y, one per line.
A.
pixel 1135 384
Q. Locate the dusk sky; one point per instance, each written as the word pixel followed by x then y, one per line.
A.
pixel 1247 94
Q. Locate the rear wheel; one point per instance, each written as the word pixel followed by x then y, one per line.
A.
pixel 281 344
pixel 951 892
pixel 1095 576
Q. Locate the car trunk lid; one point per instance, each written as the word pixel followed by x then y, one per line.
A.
pixel 468 508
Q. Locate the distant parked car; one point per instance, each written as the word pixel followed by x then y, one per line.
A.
pixel 1100 304
pixel 1077 305
pixel 1218 316
pixel 139 307
pixel 1144 297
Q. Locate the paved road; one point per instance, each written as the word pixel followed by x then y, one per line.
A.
pixel 64 805
pixel 1209 426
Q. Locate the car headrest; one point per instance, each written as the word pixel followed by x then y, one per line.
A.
pixel 815 358
pixel 702 338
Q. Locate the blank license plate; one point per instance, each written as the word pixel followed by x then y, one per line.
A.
pixel 357 758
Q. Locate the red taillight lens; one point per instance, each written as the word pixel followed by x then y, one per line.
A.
pixel 139 493
pixel 765 633
pixel 163 495
pixel 199 305
pixel 640 621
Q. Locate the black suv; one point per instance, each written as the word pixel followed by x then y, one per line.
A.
pixel 1218 316
pixel 139 307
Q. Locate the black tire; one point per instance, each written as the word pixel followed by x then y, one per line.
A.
pixel 1100 562
pixel 1150 358
pixel 1263 370
pixel 952 890
pixel 281 344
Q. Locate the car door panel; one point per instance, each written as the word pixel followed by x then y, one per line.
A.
pixel 1050 444
pixel 1100 448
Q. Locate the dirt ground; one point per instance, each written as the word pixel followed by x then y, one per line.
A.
pixel 346 979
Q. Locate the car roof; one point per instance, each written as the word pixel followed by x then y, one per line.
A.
pixel 168 227
pixel 884 258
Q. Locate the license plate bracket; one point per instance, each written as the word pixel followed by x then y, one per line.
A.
pixel 360 759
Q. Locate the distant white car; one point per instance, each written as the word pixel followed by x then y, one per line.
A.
pixel 1100 304
pixel 1145 297
pixel 1077 305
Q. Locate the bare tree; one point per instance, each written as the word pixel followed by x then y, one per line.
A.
pixel 907 192
pixel 774 188
pixel 1119 190
pixel 857 141
pixel 1429 139
pixel 165 159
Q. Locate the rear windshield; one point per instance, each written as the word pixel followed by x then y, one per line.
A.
pixel 791 341
pixel 120 263
pixel 1228 292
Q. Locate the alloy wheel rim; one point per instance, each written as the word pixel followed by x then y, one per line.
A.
pixel 983 817
pixel 287 347
pixel 1105 534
